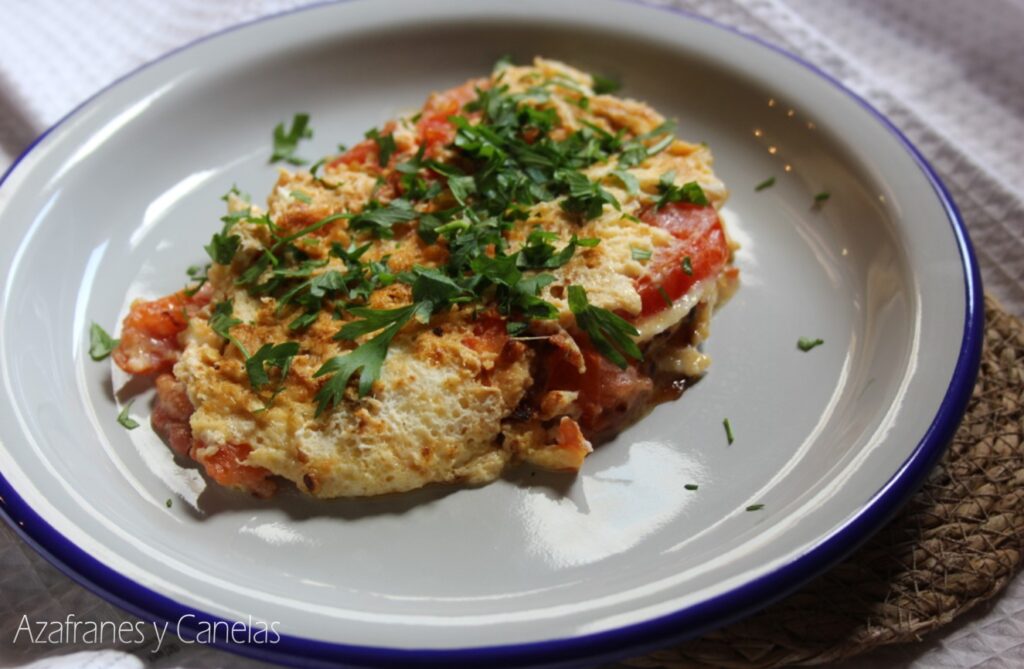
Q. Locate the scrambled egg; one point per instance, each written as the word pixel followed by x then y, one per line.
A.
pixel 444 408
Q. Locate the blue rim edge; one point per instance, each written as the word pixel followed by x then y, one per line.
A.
pixel 633 639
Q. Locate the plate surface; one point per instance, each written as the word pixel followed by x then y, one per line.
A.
pixel 117 200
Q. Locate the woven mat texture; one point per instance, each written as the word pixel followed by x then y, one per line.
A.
pixel 957 543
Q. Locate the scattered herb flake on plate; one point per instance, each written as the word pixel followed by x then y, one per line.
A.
pixel 125 420
pixel 101 344
pixel 806 343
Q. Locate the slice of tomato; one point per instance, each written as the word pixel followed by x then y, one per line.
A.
pixel 364 153
pixel 698 236
pixel 605 391
pixel 226 468
pixel 435 130
pixel 149 335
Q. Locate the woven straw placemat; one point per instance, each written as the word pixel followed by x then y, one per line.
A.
pixel 957 543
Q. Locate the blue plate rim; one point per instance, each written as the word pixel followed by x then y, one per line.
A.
pixel 620 642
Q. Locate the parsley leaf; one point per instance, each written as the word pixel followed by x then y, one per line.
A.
pixel 101 344
pixel 285 142
pixel 586 197
pixel 604 85
pixel 221 321
pixel 368 357
pixel 222 247
pixel 691 486
pixel 767 183
pixel 806 344
pixel 434 286
pixel 822 197
pixel 643 255
pixel 275 355
pixel 687 266
pixel 628 180
pixel 301 197
pixel 610 334
pixel 125 420
pixel 728 431
pixel 754 507
pixel 385 146
pixel 635 151
pixel 198 275
pixel 379 219
pixel 689 192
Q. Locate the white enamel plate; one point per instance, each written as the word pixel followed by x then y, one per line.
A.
pixel 117 200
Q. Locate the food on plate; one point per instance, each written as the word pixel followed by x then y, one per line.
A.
pixel 513 273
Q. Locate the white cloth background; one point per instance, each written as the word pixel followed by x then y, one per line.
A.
pixel 950 74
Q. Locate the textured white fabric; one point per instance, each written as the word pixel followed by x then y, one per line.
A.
pixel 949 74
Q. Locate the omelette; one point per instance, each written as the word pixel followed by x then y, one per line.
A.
pixel 512 274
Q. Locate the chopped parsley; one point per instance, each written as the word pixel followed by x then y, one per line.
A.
pixel 806 343
pixel 510 153
pixel 767 183
pixel 197 276
pixel 664 296
pixel 642 255
pixel 689 192
pixel 691 486
pixel 380 219
pixel 101 344
pixel 367 358
pixel 755 507
pixel 687 266
pixel 822 197
pixel 604 84
pixel 586 198
pixel 287 141
pixel 274 355
pixel 385 146
pixel 610 334
pixel 168 503
pixel 125 420
pixel 221 321
pixel 728 431
pixel 628 180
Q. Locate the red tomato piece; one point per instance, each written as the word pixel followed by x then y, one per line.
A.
pixel 698 236
pixel 605 390
pixel 226 468
pixel 434 128
pixel 149 335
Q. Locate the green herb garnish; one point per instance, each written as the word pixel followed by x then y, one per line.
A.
pixel 728 431
pixel 628 180
pixel 368 357
pixel 642 255
pixel 691 486
pixel 689 192
pixel 286 142
pixel 806 343
pixel 767 183
pixel 101 344
pixel 664 296
pixel 687 266
pixel 125 420
pixel 274 355
pixel 604 85
pixel 385 146
pixel 821 197
pixel 755 507
pixel 611 334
